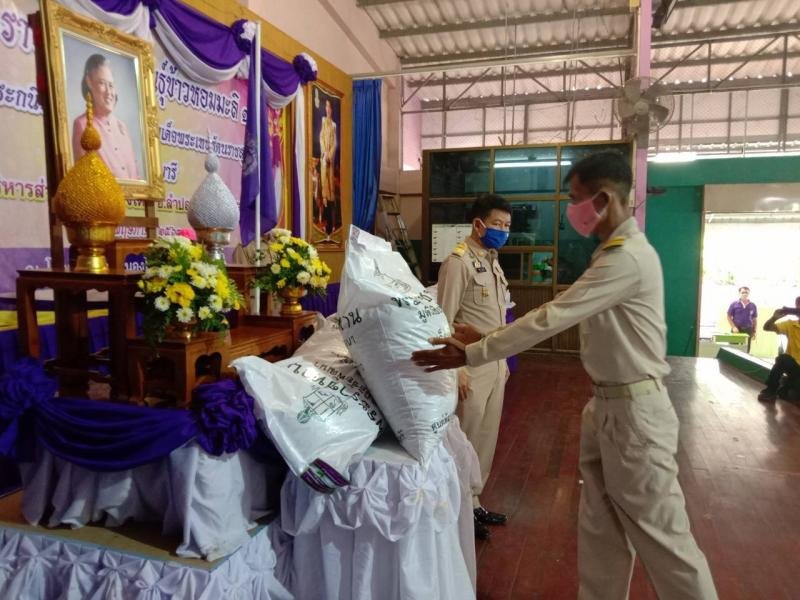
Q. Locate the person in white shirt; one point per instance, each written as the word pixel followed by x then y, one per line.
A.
pixel 631 500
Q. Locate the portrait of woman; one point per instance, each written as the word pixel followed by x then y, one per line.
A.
pixel 111 80
pixel 117 148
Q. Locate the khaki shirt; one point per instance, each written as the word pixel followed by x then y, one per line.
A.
pixel 619 303
pixel 472 287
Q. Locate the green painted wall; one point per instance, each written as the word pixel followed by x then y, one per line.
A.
pixel 674 225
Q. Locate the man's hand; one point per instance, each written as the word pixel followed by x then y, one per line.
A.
pixel 466 333
pixel 734 329
pixel 463 384
pixel 451 356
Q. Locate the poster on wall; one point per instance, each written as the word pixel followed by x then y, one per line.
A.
pixel 89 60
pixel 324 180
pixel 281 157
pixel 191 119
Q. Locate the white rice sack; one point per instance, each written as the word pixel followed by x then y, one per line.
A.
pixel 316 422
pixel 325 359
pixel 385 314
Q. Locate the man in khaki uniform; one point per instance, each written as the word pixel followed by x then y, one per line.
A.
pixel 631 500
pixel 473 289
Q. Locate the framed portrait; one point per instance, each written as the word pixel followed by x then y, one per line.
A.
pixel 84 57
pixel 324 167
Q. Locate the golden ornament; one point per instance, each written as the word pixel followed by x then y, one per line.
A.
pixel 90 202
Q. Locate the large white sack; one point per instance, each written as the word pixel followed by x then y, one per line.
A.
pixel 325 352
pixel 386 314
pixel 318 423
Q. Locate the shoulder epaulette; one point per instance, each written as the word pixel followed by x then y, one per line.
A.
pixel 460 249
pixel 614 243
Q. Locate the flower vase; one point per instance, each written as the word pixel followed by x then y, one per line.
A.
pixel 180 331
pixel 291 301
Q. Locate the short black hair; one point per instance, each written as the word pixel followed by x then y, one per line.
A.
pixel 485 204
pixel 744 287
pixel 608 166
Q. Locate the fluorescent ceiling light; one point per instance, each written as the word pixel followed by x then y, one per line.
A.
pixel 673 157
pixel 516 164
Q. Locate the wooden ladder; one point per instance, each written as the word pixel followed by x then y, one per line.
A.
pixel 394 230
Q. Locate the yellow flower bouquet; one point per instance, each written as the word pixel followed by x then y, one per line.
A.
pixel 291 262
pixel 183 285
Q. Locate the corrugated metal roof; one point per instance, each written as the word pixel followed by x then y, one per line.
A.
pixel 727 61
pixel 430 32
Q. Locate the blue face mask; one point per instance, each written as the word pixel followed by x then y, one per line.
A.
pixel 494 238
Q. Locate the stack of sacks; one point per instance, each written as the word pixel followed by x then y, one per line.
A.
pixel 314 406
pixel 385 314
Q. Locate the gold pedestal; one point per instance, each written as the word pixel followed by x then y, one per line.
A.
pixel 91 240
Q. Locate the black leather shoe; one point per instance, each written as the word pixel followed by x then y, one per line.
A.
pixel 488 517
pixel 481 531
pixel 767 395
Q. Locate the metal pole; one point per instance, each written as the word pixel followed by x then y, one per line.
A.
pixel 256 294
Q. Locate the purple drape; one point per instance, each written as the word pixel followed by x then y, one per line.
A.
pixel 122 7
pixel 212 42
pixel 105 436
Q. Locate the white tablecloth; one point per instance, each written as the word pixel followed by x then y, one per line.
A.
pixel 212 501
pixel 398 531
pixel 44 567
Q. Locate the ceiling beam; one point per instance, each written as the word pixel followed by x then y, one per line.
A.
pixel 507 61
pixel 527 19
pixel 659 41
pixel 666 40
pixel 368 3
pixel 699 3
pixel 608 93
pixel 606 69
pixel 567 49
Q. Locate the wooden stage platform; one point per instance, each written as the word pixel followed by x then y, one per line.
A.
pixel 740 469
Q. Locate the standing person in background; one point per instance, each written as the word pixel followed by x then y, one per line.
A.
pixel 743 315
pixel 116 147
pixel 473 289
pixel 631 499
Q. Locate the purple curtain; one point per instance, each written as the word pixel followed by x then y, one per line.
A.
pixel 105 436
pixel 212 42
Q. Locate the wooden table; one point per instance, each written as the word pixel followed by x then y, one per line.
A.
pixel 174 367
pixel 73 363
pixel 302 324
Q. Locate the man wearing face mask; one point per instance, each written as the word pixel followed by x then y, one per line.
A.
pixel 473 289
pixel 631 501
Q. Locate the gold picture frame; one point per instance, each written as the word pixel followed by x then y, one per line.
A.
pixel 323 187
pixel 118 69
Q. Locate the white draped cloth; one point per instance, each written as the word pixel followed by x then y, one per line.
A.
pixel 44 567
pixel 210 501
pixel 399 530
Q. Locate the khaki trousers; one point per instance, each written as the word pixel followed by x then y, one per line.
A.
pixel 631 500
pixel 479 414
